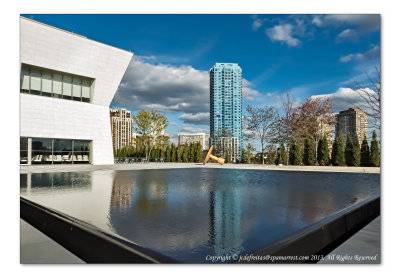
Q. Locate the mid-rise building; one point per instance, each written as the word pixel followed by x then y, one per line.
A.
pixel 121 128
pixel 226 103
pixel 203 138
pixel 352 121
pixel 327 130
pixel 229 147
pixel 67 84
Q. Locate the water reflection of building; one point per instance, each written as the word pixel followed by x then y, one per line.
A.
pixel 225 225
pixel 121 193
pixel 148 196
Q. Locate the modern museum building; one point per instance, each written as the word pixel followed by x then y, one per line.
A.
pixel 67 84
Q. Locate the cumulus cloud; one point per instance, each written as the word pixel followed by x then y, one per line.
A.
pixel 167 88
pixel 196 119
pixel 192 130
pixel 247 92
pixel 284 34
pixel 345 98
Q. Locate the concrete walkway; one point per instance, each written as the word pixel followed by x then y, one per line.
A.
pixel 365 243
pixel 138 166
pixel 37 248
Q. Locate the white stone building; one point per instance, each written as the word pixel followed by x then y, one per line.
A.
pixel 67 84
pixel 203 138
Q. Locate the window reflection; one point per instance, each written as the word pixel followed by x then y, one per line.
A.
pixel 56 151
pixel 48 83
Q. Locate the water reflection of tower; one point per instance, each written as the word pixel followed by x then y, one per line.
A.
pixel 225 223
pixel 121 193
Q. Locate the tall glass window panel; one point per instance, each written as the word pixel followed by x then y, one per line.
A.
pixel 82 151
pixel 35 82
pixel 57 85
pixel 46 83
pixel 25 80
pixel 85 91
pixel 23 158
pixel 63 151
pixel 67 87
pixel 76 89
pixel 42 149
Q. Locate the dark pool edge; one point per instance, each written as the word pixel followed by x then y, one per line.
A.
pixel 85 241
pixel 321 238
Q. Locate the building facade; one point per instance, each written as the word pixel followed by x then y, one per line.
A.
pixel 226 103
pixel 352 121
pixel 121 128
pixel 327 130
pixel 203 138
pixel 67 84
pixel 229 147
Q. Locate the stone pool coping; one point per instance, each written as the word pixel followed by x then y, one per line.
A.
pixel 139 166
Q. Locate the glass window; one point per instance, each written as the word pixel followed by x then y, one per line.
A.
pixel 57 85
pixel 42 151
pixel 82 151
pixel 62 151
pixel 23 147
pixel 85 91
pixel 46 84
pixel 25 80
pixel 67 87
pixel 76 89
pixel 54 84
pixel 35 82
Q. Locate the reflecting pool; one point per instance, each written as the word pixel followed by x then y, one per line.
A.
pixel 188 214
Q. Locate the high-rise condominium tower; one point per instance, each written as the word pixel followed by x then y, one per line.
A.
pixel 121 128
pixel 352 121
pixel 226 104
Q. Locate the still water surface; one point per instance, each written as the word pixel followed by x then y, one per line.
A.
pixel 188 214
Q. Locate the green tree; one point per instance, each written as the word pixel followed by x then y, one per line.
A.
pixel 168 153
pixel 309 151
pixel 349 151
pixel 185 155
pixel 199 152
pixel 150 125
pixel 364 152
pixel 295 157
pixel 323 151
pixel 179 153
pixel 173 153
pixel 356 151
pixel 284 154
pixel 248 152
pixel 374 158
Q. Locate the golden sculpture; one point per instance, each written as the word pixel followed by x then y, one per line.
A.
pixel 221 161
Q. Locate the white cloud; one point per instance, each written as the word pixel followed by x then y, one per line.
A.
pixel 197 119
pixel 190 129
pixel 346 33
pixel 372 54
pixel 284 34
pixel 364 22
pixel 347 58
pixel 257 22
pixel 168 88
pixel 345 98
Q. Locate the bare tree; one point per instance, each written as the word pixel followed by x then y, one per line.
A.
pixel 371 104
pixel 262 124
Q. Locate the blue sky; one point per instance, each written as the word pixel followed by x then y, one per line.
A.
pixel 308 54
